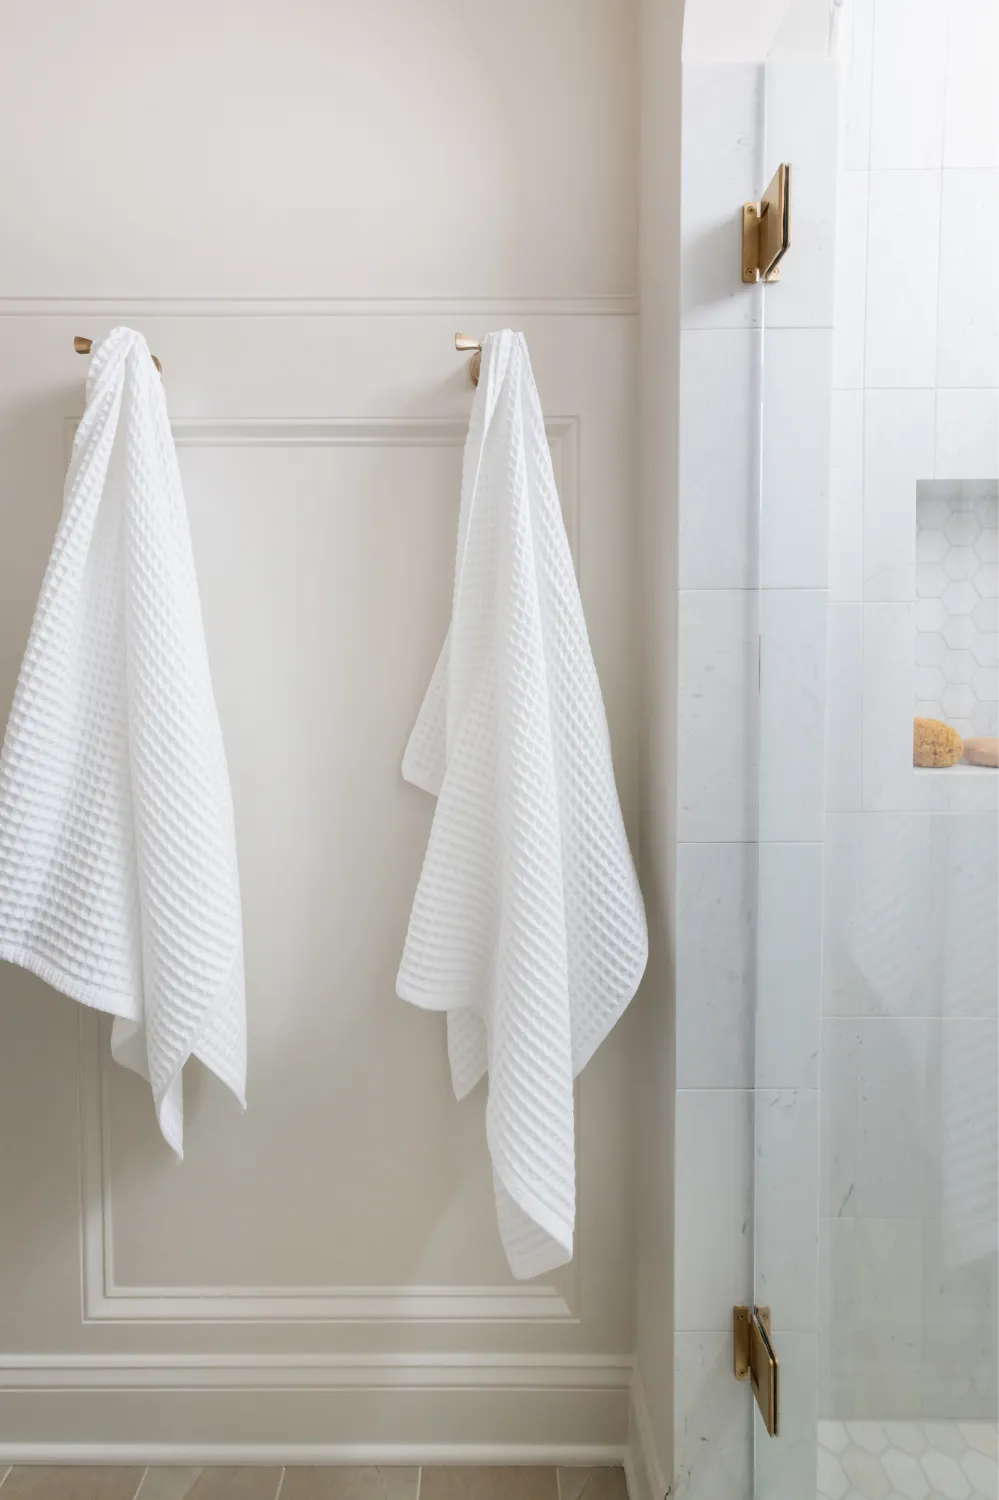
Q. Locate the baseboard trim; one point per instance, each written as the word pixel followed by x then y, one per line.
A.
pixel 646 1480
pixel 565 1454
pixel 342 1409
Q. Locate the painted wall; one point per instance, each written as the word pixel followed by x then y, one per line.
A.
pixel 911 968
pixel 299 205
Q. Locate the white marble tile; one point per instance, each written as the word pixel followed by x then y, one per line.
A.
pixel 844 708
pixel 713 1205
pixel 971 128
pixel 787 1469
pixel 959 1273
pixel 713 1445
pixel 890 782
pixel 898 452
pixel 875 1271
pixel 960 1372
pixel 850 297
pixel 719 459
pixel 903 234
pixel 846 497
pixel 907 94
pixel 962 1113
pixel 885 1365
pixel 715 965
pixel 880 941
pixel 794 543
pixel 718 714
pixel 786 1206
pixel 968 338
pixel 967 434
pixel 721 170
pixel 856 107
pixel 875 1132
pixel 792 713
pixel 964 861
pixel 797 91
pixel 789 1004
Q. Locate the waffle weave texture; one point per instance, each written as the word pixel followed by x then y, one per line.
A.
pixel 527 926
pixel 118 877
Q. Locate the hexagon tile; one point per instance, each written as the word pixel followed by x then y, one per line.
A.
pixel 908 1460
pixel 957 604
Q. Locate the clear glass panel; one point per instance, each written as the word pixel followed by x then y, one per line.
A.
pixel 877 1039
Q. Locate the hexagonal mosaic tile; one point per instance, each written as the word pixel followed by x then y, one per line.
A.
pixel 908 1460
pixel 957 604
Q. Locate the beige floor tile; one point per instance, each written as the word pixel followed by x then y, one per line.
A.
pixel 168 1483
pixel 461 1483
pixel 246 1483
pixel 592 1484
pixel 40 1482
pixel 345 1483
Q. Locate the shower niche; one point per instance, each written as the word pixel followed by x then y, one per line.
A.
pixel 956 645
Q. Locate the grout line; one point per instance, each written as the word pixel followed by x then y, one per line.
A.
pixel 3 1478
pixel 142 1481
pixel 419 1480
pixel 284 1470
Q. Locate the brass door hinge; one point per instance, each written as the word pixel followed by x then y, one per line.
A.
pixel 756 1361
pixel 766 229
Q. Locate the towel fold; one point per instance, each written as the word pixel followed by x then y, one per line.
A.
pixel 527 926
pixel 118 878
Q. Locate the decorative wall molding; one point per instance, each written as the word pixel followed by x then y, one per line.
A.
pixel 103 1297
pixel 613 305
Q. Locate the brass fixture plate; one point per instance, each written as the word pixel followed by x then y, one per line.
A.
pixel 755 1361
pixel 766 229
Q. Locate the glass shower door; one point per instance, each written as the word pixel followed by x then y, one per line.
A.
pixel 877 1028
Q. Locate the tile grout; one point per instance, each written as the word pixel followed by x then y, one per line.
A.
pixel 141 1483
pixel 6 1471
pixel 284 1471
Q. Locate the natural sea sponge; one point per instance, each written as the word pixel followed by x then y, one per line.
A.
pixel 935 743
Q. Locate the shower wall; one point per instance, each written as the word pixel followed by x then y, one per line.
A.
pixel 909 1049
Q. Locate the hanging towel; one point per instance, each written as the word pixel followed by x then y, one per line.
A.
pixel 527 926
pixel 118 880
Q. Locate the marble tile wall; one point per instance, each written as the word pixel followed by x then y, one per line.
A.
pixel 909 1052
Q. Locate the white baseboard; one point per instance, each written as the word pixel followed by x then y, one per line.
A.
pixel 646 1480
pixel 337 1409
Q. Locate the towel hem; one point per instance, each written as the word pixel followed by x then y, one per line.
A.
pixel 108 1001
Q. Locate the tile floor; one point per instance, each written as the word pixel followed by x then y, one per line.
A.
pixel 299 1483
pixel 908 1460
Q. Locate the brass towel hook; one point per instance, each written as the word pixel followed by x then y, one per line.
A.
pixel 84 346
pixel 464 342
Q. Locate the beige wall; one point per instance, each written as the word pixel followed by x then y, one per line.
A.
pixel 299 204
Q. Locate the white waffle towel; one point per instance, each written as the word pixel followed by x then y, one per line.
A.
pixel 527 926
pixel 118 879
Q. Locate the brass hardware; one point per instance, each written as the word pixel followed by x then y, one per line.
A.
pixel 766 229
pixel 755 1361
pixel 84 346
pixel 465 341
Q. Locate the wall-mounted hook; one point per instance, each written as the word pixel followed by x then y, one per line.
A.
pixel 83 346
pixel 464 342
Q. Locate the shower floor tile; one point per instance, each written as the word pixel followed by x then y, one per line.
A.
pixel 908 1460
